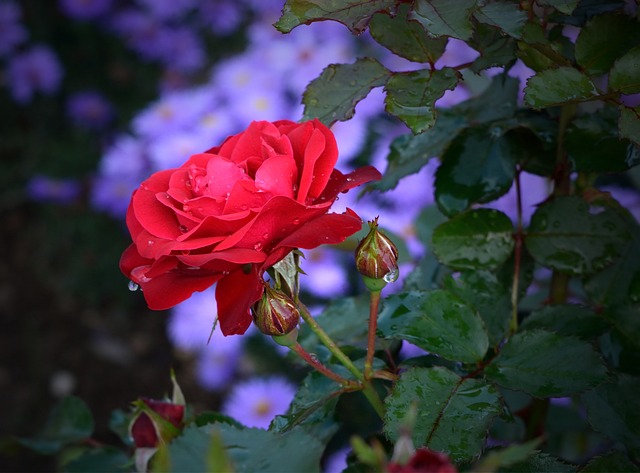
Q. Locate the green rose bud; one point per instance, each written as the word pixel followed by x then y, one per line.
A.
pixel 377 258
pixel 275 313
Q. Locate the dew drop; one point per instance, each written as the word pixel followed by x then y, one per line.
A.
pixel 296 221
pixel 314 357
pixel 133 286
pixel 265 235
pixel 391 276
pixel 183 229
pixel 244 207
pixel 257 246
pixel 150 242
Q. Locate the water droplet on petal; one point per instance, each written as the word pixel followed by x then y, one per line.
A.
pixel 150 242
pixel 133 286
pixel 257 246
pixel 391 276
pixel 183 229
pixel 296 221
pixel 265 235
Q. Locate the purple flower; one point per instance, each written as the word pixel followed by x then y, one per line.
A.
pixel 89 110
pixel 326 274
pixel 85 9
pixel 112 194
pixel 167 9
pixel 257 401
pixel 223 17
pixel 48 189
pixel 141 32
pixel 12 32
pixel 37 69
pixel 181 49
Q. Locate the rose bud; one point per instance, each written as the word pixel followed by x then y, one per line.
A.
pixel 155 422
pixel 377 258
pixel 276 314
pixel 424 461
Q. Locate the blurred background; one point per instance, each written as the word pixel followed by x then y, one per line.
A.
pixel 95 95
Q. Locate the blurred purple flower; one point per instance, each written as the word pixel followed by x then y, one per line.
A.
pixel 47 189
pixel 627 197
pixel 167 9
pixel 456 53
pixel 189 328
pixel 141 32
pixel 337 461
pixel 85 9
pixel 534 190
pixel 174 149
pixel 257 401
pixel 181 49
pixel 222 17
pixel 89 110
pixel 174 112
pixel 36 69
pixel 111 194
pixel 326 274
pixel 12 33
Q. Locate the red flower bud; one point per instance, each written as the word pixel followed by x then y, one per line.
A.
pixel 155 422
pixel 377 258
pixel 275 313
pixel 424 461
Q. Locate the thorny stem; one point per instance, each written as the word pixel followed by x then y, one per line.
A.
pixel 374 302
pixel 315 364
pixel 367 388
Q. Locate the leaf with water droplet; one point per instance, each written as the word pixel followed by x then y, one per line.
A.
pixel 436 321
pixel 475 239
pixel 546 364
pixel 411 96
pixel 564 235
pixel 333 96
pixel 454 414
pixel 476 168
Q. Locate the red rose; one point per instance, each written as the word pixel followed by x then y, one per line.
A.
pixel 424 461
pixel 147 432
pixel 229 214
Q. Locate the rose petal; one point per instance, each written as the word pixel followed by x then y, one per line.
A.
pixel 341 183
pixel 169 289
pixel 221 175
pixel 235 294
pixel 277 176
pixel 234 255
pixel 325 229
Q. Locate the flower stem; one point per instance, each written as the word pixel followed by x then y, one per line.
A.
pixel 315 364
pixel 374 302
pixel 328 342
pixel 367 388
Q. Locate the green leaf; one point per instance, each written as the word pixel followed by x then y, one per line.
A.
pixel 476 168
pixel 625 73
pixel 410 153
pixel 567 319
pixel 69 421
pixel 612 409
pixel 593 145
pixel 354 14
pixel 505 15
pixel 333 96
pixel 411 95
pixel 604 39
pixel 250 450
pixel 557 87
pixel 495 48
pixel 483 291
pixel 564 6
pixel 612 462
pixel 445 18
pixel 475 239
pixel 569 236
pixel 314 402
pixel 508 456
pixel 545 364
pixel 406 38
pixel 100 460
pixel 620 283
pixel 629 124
pixel 454 413
pixel 539 463
pixel 436 321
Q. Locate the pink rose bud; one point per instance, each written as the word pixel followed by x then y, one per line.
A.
pixel 155 422
pixel 377 258
pixel 424 461
pixel 275 313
